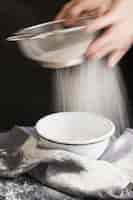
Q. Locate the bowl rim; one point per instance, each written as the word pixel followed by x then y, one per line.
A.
pixel 78 143
pixel 20 35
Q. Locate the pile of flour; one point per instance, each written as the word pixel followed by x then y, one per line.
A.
pixel 92 87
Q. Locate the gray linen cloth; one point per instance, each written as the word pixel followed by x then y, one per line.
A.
pixel 110 177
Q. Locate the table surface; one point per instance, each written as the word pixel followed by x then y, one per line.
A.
pixel 26 188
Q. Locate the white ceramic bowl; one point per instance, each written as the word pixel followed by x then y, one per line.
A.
pixel 83 133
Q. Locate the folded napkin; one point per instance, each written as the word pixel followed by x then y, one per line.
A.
pixel 110 177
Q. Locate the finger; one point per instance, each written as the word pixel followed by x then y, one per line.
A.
pixel 78 10
pixel 90 14
pixel 74 11
pixel 82 7
pixel 109 18
pixel 106 7
pixel 101 22
pixel 116 56
pixel 62 14
pixel 102 41
pixel 101 53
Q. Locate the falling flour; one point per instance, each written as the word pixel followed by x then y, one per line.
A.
pixel 92 87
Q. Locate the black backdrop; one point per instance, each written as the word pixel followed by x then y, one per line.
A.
pixel 25 87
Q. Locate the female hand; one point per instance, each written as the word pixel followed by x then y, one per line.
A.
pixel 77 8
pixel 118 37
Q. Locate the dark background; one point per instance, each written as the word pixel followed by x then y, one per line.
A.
pixel 25 87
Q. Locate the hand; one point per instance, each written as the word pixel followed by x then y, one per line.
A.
pixel 77 8
pixel 118 37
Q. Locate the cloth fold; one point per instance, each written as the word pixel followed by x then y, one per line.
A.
pixel 109 177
